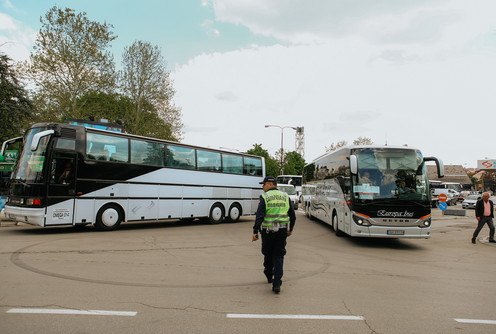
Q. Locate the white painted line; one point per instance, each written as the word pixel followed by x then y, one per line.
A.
pixel 477 321
pixel 294 316
pixel 65 311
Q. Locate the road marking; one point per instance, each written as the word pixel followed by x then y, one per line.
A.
pixel 477 321
pixel 294 316
pixel 65 311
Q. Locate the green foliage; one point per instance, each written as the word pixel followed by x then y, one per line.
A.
pixel 15 106
pixel 118 107
pixel 69 60
pixel 145 80
pixel 75 77
pixel 294 164
pixel 271 168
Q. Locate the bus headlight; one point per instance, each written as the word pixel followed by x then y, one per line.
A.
pixel 361 219
pixel 424 221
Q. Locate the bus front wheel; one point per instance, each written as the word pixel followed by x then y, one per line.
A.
pixel 216 214
pixel 108 218
pixel 335 225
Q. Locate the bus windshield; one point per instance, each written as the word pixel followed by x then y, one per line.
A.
pixel 30 165
pixel 295 180
pixel 390 174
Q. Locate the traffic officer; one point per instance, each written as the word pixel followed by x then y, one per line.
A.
pixel 275 220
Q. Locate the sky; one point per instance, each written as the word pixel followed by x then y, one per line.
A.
pixel 416 72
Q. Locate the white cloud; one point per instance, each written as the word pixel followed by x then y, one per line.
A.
pixel 405 72
pixel 16 39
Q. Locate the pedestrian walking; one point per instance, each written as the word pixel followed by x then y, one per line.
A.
pixel 484 212
pixel 275 219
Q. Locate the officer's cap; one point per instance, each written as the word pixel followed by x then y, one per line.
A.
pixel 269 179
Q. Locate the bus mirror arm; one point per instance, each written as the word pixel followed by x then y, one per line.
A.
pixel 439 165
pixel 38 136
pixel 8 142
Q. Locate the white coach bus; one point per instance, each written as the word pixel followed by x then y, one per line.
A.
pixel 371 191
pixel 76 175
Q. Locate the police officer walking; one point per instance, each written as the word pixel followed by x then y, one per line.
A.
pixel 275 220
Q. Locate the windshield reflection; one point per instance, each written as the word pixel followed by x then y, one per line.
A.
pixel 390 174
pixel 30 165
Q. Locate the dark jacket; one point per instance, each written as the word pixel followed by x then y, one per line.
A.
pixel 479 208
pixel 260 215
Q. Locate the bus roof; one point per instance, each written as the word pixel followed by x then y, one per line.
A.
pixel 123 134
pixel 351 147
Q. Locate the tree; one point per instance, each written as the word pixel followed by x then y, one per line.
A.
pixel 15 106
pixel 145 80
pixel 358 141
pixel 489 180
pixel 112 106
pixel 294 164
pixel 70 60
pixel 363 141
pixel 270 163
pixel 334 147
pixel 116 107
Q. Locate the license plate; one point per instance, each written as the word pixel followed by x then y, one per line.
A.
pixel 396 232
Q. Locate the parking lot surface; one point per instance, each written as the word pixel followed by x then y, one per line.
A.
pixel 178 277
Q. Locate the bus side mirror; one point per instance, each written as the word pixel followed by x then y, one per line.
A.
pixel 353 164
pixel 439 164
pixel 37 137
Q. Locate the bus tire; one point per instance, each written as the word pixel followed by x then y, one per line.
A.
pixel 335 225
pixel 108 218
pixel 308 213
pixel 217 214
pixel 234 213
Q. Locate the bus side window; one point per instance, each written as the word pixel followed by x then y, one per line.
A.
pixel 62 171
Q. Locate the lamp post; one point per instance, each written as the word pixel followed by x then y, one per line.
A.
pixel 282 139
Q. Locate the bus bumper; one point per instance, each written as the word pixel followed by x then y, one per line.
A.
pixel 394 232
pixel 30 216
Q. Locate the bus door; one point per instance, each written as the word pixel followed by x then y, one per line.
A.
pixel 61 189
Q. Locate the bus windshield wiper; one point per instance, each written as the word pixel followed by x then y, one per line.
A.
pixel 23 183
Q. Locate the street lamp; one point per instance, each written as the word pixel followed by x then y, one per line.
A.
pixel 282 139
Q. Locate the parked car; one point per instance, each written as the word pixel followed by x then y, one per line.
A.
pixel 470 201
pixel 291 191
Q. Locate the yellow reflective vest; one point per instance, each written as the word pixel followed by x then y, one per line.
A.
pixel 276 210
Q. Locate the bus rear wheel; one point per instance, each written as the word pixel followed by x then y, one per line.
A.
pixel 109 217
pixel 234 213
pixel 216 215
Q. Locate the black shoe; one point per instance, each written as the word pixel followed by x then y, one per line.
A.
pixel 473 240
pixel 493 241
pixel 276 289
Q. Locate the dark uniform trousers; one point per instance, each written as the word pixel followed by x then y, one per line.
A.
pixel 274 249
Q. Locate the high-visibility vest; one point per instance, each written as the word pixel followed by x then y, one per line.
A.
pixel 276 209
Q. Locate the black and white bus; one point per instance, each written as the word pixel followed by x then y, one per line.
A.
pixel 75 175
pixel 372 191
